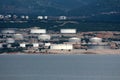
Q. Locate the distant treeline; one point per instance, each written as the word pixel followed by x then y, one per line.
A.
pixel 57 25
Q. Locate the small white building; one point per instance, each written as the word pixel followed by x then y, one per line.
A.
pixel 23 45
pixel 35 45
pixel 38 31
pixel 47 44
pixel 68 31
pixel 61 46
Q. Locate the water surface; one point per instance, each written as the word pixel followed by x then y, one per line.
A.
pixel 60 67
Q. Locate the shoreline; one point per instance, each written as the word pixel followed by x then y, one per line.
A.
pixel 76 51
pixel 89 51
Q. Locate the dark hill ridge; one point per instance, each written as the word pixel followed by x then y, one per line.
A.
pixel 95 9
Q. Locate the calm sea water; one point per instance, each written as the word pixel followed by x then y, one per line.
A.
pixel 59 67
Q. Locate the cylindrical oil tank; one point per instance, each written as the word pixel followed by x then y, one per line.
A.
pixel 9 45
pixel 38 31
pixel 40 17
pixel 61 46
pixel 10 40
pixel 45 17
pixel 8 31
pixel 44 37
pixel 96 40
pixel 65 31
pixel 74 39
pixel 18 36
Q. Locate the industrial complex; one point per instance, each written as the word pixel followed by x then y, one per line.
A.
pixel 37 40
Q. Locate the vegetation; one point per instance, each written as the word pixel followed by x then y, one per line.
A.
pixel 7 50
pixel 55 25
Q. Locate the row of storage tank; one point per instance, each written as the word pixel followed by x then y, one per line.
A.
pixel 46 37
pixel 38 31
pixel 42 37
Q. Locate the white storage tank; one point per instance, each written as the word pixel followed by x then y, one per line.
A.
pixel 62 18
pixel 10 40
pixel 35 45
pixel 44 37
pixel 9 45
pixel 65 31
pixel 74 39
pixel 8 31
pixel 40 17
pixel 18 36
pixel 38 31
pixel 61 46
pixel 96 40
pixel 45 17
pixel 23 45
pixel 22 16
pixel 27 17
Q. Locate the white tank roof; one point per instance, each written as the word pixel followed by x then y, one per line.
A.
pixel 61 46
pixel 22 16
pixel 74 39
pixel 10 40
pixel 45 17
pixel 96 40
pixel 27 17
pixel 18 36
pixel 44 37
pixel 8 31
pixel 9 45
pixel 68 30
pixel 37 31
